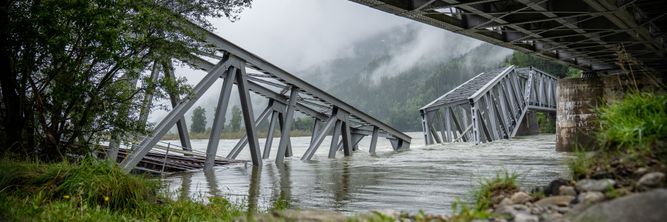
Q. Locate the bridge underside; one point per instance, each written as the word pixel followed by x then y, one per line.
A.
pixel 491 106
pixel 592 35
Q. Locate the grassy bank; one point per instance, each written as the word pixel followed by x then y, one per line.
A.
pixel 236 135
pixel 633 135
pixel 93 190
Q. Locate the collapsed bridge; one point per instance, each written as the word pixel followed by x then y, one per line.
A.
pixel 286 93
pixel 490 106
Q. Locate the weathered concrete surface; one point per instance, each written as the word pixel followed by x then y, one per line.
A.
pixel 579 97
pixel 575 113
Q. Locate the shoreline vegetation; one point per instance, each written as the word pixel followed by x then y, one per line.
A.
pixel 630 163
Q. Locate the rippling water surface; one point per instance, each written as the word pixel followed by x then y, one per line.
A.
pixel 424 177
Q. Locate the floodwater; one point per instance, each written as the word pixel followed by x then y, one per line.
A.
pixel 428 178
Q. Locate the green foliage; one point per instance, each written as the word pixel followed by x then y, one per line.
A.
pixel 524 60
pixel 546 124
pixel 76 65
pixel 198 124
pixel 303 124
pixel 504 183
pixel 580 164
pixel 637 122
pixel 94 191
pixel 236 119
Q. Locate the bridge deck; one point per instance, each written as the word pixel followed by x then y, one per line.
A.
pixel 467 89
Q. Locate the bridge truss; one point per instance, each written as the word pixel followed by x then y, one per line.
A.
pixel 588 34
pixel 488 107
pixel 286 93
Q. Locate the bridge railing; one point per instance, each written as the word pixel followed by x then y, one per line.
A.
pixel 286 95
pixel 488 107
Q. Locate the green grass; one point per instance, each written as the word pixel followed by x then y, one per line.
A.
pixel 504 183
pixel 636 123
pixel 633 133
pixel 94 190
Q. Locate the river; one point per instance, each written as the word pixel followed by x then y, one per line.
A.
pixel 428 178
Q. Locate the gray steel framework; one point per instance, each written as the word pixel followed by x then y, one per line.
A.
pixel 286 94
pixel 580 33
pixel 488 107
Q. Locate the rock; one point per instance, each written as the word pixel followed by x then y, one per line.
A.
pixel 595 185
pixel 567 191
pixel 511 209
pixel 641 171
pixel 520 198
pixel 524 217
pixel 302 215
pixel 591 197
pixel 651 180
pixel 551 216
pixel 536 210
pixel 554 186
pixel 505 202
pixel 648 207
pixel 555 200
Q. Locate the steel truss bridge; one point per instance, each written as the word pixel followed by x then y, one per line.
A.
pixel 588 34
pixel 490 106
pixel 286 93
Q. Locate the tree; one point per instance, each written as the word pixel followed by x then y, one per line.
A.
pixel 69 68
pixel 198 124
pixel 236 119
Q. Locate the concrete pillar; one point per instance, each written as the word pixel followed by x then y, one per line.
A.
pixel 575 116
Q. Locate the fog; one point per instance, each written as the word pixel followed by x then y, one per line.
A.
pixel 298 34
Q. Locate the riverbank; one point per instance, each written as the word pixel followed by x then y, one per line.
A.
pixel 629 170
pixel 236 135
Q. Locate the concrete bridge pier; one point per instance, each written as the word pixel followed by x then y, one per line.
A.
pixel 578 99
pixel 575 114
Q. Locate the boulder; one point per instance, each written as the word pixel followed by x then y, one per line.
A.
pixel 591 197
pixel 520 198
pixel 555 200
pixel 647 207
pixel 554 186
pixel 601 185
pixel 567 191
pixel 524 217
pixel 506 201
pixel 651 180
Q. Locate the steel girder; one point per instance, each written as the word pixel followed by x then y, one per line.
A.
pixel 286 93
pixel 566 31
pixel 488 107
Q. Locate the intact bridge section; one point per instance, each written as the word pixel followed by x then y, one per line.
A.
pixel 490 106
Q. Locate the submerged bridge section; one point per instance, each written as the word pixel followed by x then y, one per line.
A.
pixel 286 95
pixel 490 106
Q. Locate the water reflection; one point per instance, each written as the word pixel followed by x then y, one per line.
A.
pixel 428 178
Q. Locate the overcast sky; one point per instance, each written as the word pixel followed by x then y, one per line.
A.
pixel 297 34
